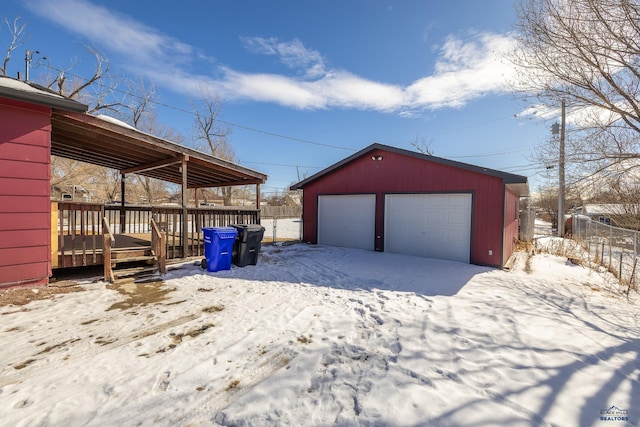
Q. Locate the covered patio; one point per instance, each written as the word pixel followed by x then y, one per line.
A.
pixel 92 234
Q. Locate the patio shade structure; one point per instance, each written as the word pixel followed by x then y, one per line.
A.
pixel 106 142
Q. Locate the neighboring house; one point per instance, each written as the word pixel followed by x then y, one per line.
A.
pixel 389 199
pixel 72 193
pixel 617 214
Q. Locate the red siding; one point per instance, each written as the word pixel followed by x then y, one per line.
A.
pixel 511 223
pixel 25 209
pixel 397 173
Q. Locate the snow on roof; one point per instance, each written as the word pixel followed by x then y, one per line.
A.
pixel 30 92
pixel 115 121
pixel 603 209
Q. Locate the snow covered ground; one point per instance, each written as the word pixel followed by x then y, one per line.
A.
pixel 279 229
pixel 324 336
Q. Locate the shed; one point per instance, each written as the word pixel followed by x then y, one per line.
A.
pixel 389 199
pixel 37 123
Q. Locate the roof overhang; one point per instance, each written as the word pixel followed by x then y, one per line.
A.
pixel 520 188
pixel 34 94
pixel 117 146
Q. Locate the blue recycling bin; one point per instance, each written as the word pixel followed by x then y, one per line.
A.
pixel 218 247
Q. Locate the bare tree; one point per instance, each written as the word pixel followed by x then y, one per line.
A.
pixel 422 146
pixel 67 172
pixel 139 111
pixel 18 38
pixel 99 90
pixel 212 136
pixel 584 51
pixel 546 202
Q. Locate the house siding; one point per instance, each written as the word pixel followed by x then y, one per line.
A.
pixel 25 209
pixel 397 173
pixel 511 223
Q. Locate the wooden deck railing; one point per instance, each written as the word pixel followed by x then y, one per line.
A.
pixel 171 218
pixel 79 229
pixel 81 224
pixel 136 219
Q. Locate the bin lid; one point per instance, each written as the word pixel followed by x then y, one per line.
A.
pixel 248 227
pixel 220 232
pixel 214 229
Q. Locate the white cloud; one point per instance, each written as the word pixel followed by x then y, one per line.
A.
pixel 293 54
pixel 466 69
pixel 583 117
pixel 120 33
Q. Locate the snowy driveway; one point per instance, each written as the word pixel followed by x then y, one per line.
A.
pixel 325 336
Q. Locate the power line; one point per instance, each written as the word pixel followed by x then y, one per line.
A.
pixel 497 153
pixel 284 165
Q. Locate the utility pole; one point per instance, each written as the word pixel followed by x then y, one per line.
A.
pixel 555 129
pixel 28 57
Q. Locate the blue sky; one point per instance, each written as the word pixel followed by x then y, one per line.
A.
pixel 305 84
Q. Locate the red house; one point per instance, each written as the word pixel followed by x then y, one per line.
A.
pixel 25 207
pixel 38 235
pixel 389 199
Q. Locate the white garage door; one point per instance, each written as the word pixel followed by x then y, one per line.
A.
pixel 428 225
pixel 347 221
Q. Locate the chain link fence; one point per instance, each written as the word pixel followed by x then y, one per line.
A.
pixel 281 223
pixel 612 247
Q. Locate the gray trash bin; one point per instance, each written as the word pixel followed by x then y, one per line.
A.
pixel 246 248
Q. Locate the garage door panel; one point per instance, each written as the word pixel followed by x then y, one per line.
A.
pixel 347 221
pixel 457 218
pixel 429 225
pixel 436 217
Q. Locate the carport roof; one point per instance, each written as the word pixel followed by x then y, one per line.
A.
pixel 517 183
pixel 109 143
pixel 102 142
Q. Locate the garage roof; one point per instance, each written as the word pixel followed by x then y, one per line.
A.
pixel 517 183
pixel 109 143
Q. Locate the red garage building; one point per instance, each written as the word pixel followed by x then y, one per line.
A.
pixel 388 199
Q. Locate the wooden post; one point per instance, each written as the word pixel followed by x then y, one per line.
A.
pixel 258 201
pixel 185 211
pixel 107 242
pixel 620 274
pixel 609 253
pixel 123 211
